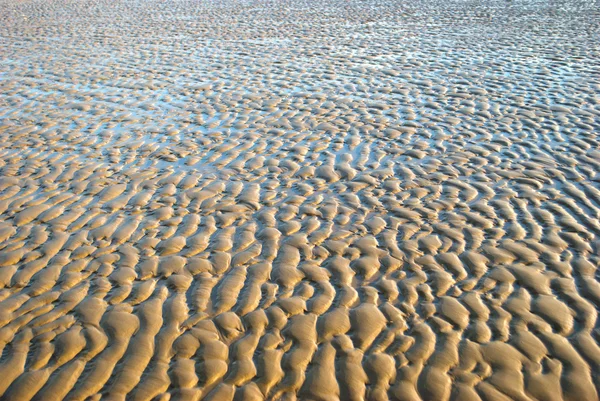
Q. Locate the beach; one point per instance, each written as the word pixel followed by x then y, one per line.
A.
pixel 312 200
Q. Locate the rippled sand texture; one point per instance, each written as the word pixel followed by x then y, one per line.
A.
pixel 299 200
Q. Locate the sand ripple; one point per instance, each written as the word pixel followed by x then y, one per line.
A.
pixel 313 200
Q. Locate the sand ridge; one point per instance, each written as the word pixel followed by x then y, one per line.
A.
pixel 312 200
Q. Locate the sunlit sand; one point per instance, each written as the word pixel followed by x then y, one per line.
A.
pixel 299 200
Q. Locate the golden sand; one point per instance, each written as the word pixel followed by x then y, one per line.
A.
pixel 299 200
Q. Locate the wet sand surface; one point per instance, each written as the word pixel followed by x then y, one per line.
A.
pixel 299 200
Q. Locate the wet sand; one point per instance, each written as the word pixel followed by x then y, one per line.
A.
pixel 299 200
